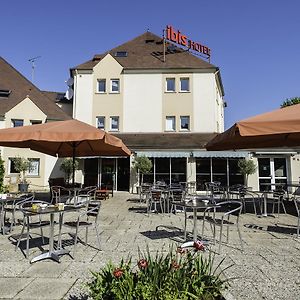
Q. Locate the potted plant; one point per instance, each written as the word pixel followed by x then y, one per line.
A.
pixel 143 165
pixel 22 165
pixel 247 167
pixel 67 167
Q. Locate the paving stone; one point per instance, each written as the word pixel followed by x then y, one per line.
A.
pixel 46 288
pixel 10 287
pixel 267 269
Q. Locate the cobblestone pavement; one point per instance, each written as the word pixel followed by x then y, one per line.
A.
pixel 267 269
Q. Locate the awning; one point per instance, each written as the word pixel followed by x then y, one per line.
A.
pixel 204 154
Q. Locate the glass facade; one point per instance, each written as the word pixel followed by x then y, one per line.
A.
pixel 224 170
pixel 169 170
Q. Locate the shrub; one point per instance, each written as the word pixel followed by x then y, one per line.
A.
pixel 176 275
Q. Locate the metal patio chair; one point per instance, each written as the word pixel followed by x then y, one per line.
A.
pixel 229 214
pixel 30 221
pixel 87 219
pixel 156 198
pixel 296 200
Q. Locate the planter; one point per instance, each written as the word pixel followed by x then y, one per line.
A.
pixel 23 187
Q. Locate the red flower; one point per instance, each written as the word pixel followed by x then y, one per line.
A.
pixel 181 250
pixel 143 264
pixel 175 265
pixel 199 246
pixel 118 272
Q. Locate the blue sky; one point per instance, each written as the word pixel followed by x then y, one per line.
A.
pixel 254 43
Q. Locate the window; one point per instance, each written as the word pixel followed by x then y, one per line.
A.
pixel 170 84
pixel 101 86
pixel 5 93
pixel 114 123
pixel 11 166
pixel 34 169
pixel 101 122
pixel 170 123
pixel 121 54
pixel 184 123
pixel 184 84
pixel 115 86
pixel 17 123
pixel 35 122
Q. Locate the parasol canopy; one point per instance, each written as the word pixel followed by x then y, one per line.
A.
pixel 278 128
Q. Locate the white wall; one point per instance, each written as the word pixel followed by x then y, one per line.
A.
pixel 83 97
pixel 142 103
pixel 204 103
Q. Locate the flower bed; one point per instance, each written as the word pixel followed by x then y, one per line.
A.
pixel 182 274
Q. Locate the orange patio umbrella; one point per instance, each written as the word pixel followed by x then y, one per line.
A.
pixel 71 138
pixel 278 128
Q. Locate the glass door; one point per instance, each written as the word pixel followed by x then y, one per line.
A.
pixel 272 172
pixel 108 171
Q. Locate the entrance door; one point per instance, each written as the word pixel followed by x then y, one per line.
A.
pixel 108 171
pixel 272 172
pixel 123 174
pixel 91 172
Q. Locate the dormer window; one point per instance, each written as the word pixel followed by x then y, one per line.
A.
pixel 121 54
pixel 5 93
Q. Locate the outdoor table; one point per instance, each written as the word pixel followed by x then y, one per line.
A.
pixel 74 191
pixel 52 210
pixel 264 196
pixel 195 203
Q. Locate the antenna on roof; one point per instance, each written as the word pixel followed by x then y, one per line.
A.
pixel 32 60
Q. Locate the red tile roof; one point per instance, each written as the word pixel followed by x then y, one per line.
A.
pixel 146 52
pixel 21 88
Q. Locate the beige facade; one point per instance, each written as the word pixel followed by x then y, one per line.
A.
pixel 29 113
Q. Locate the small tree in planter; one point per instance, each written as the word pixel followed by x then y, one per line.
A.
pixel 247 167
pixel 22 165
pixel 143 165
pixel 67 167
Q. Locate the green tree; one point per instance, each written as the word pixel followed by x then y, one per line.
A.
pixel 143 165
pixel 2 172
pixel 246 167
pixel 290 101
pixel 22 165
pixel 67 167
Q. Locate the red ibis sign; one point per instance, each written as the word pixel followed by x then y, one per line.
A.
pixel 177 37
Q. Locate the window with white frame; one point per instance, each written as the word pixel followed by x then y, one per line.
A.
pixel 17 122
pixel 101 86
pixel 114 123
pixel 170 85
pixel 184 84
pixel 101 122
pixel 115 85
pixel 184 123
pixel 34 168
pixel 170 123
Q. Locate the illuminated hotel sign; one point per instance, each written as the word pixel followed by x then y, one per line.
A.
pixel 177 37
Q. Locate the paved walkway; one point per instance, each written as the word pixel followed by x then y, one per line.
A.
pixel 267 269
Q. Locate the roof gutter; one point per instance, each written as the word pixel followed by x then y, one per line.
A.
pixel 219 80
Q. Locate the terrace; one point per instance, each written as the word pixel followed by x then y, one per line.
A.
pixel 267 269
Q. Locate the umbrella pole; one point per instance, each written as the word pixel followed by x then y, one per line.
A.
pixel 73 169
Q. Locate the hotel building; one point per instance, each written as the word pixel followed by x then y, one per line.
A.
pixel 164 102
